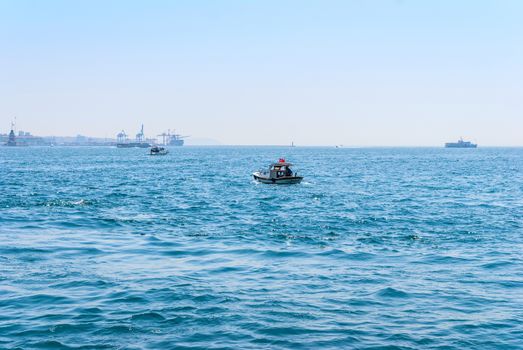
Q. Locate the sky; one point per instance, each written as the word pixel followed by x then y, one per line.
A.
pixel 325 72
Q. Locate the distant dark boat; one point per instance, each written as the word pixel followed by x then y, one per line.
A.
pixel 461 144
pixel 158 151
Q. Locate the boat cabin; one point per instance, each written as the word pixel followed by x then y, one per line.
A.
pixel 280 169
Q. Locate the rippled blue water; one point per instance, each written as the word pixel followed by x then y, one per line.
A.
pixel 407 248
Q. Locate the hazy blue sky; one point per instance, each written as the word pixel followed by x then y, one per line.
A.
pixel 266 72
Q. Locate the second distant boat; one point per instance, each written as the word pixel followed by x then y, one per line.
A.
pixel 461 144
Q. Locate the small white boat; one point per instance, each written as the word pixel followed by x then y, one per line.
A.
pixel 158 151
pixel 278 173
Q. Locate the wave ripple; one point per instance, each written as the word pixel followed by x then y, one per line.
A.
pixel 380 248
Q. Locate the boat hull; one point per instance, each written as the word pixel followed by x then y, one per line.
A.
pixel 176 143
pixel 288 180
pixel 457 145
pixel 133 145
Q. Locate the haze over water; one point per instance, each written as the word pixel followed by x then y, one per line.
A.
pixel 350 72
pixel 105 248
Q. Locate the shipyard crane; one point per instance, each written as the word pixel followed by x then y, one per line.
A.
pixel 165 137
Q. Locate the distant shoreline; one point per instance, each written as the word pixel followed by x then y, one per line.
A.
pixel 258 146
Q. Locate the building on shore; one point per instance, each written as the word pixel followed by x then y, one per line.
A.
pixel 23 138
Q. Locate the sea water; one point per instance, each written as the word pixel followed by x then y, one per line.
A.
pixel 105 248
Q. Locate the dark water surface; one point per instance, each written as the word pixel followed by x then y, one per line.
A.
pixel 403 248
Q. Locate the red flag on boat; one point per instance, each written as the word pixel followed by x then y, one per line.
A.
pixel 282 160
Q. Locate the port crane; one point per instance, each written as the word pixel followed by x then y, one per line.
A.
pixel 168 138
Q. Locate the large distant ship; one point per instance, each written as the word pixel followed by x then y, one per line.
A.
pixel 140 142
pixel 172 139
pixel 176 140
pixel 461 144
